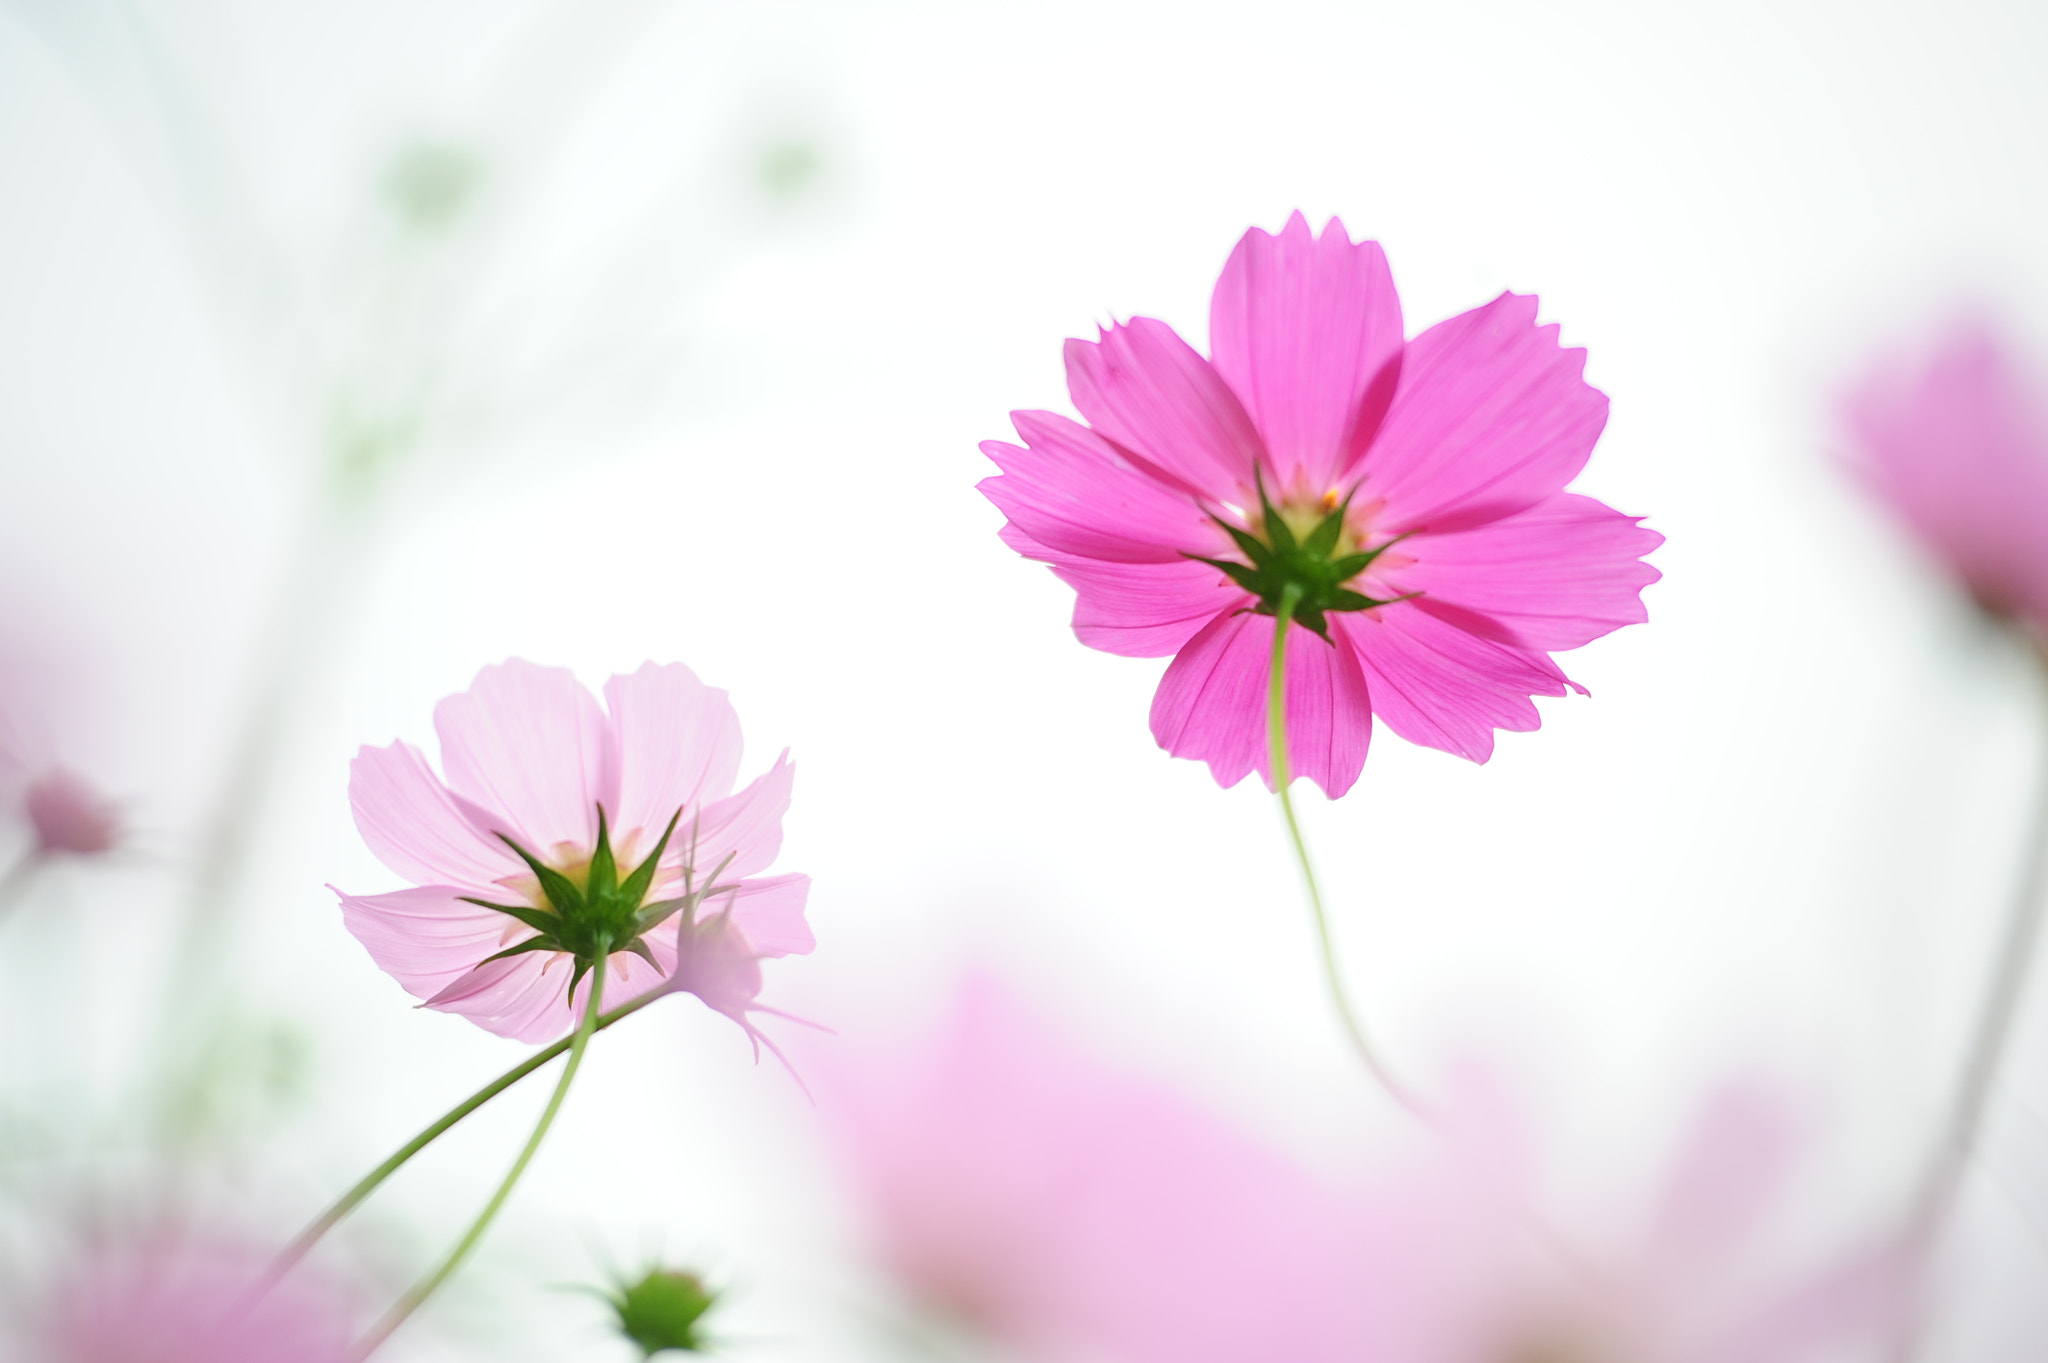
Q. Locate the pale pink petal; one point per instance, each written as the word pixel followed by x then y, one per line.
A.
pixel 747 827
pixel 1864 1300
pixel 526 998
pixel 417 826
pixel 1306 331
pixel 1490 417
pixel 1146 610
pixel 678 743
pixel 530 745
pixel 1070 491
pixel 1959 447
pixel 1143 387
pixel 427 937
pixel 1558 575
pixel 1444 687
pixel 1211 704
pixel 769 911
pixel 1730 1173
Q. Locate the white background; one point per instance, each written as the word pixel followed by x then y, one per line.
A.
pixel 1776 837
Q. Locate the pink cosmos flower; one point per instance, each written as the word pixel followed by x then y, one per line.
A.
pixel 1958 444
pixel 1072 1211
pixel 70 816
pixel 563 829
pixel 170 1299
pixel 1411 492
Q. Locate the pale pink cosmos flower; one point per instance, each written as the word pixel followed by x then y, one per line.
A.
pixel 1957 443
pixel 173 1299
pixel 530 759
pixel 1452 561
pixel 1071 1211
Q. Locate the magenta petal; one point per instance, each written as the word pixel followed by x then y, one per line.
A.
pixel 1558 575
pixel 1070 491
pixel 769 911
pixel 1211 704
pixel 530 745
pixel 747 827
pixel 680 742
pixel 414 824
pixel 1442 686
pixel 1146 610
pixel 1145 388
pixel 1306 331
pixel 1491 416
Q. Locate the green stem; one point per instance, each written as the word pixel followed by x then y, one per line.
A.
pixel 17 880
pixel 348 1201
pixel 1276 743
pixel 425 1287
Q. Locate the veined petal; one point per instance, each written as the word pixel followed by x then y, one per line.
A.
pixel 530 745
pixel 746 826
pixel 1069 490
pixel 1211 704
pixel 1558 575
pixel 1442 686
pixel 1146 610
pixel 1307 332
pixel 679 745
pixel 427 937
pixel 1490 417
pixel 1145 388
pixel 526 998
pixel 417 826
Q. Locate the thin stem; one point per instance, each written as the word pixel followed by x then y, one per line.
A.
pixel 425 1287
pixel 2009 972
pixel 17 880
pixel 1276 743
pixel 348 1201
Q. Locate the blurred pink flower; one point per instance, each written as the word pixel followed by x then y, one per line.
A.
pixel 170 1299
pixel 1694 1287
pixel 70 816
pixel 1450 560
pixel 1071 1211
pixel 530 757
pixel 1958 444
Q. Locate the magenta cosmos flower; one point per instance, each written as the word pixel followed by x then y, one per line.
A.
pixel 1958 445
pixel 564 832
pixel 1409 494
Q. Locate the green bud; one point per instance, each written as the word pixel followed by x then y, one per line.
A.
pixel 662 1311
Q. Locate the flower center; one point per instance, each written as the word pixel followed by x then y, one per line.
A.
pixel 1307 545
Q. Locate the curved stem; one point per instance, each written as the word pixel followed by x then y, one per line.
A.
pixel 425 1287
pixel 1276 745
pixel 17 880
pixel 348 1201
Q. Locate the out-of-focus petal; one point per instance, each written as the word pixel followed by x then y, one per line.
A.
pixel 678 744
pixel 1307 331
pixel 1558 575
pixel 1145 388
pixel 769 911
pixel 1728 1176
pixel 417 826
pixel 529 745
pixel 1490 417
pixel 1445 687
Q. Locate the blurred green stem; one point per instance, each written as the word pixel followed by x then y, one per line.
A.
pixel 425 1287
pixel 17 880
pixel 1276 743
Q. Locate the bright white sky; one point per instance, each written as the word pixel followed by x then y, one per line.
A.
pixel 1775 837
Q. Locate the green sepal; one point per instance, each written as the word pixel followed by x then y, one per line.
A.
pixel 520 949
pixel 1252 546
pixel 540 920
pixel 636 886
pixel 1243 575
pixel 1278 532
pixel 560 890
pixel 1323 538
pixel 1344 599
pixel 639 948
pixel 603 876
